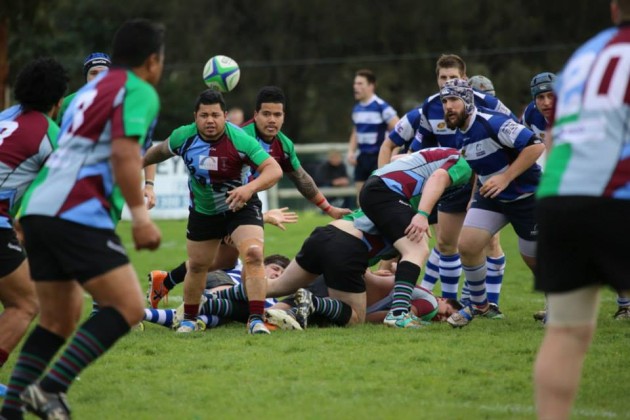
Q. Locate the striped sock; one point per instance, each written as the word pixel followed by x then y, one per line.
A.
pixel 450 272
pixel 465 299
pixel 476 278
pixel 175 276
pixel 225 308
pixel 494 277
pixel 623 301
pixel 432 270
pixel 160 316
pixel 211 321
pixel 402 297
pixel 233 293
pixel 93 338
pixel 38 350
pixel 335 310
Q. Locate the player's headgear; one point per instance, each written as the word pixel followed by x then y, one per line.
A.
pixel 541 83
pixel 482 84
pixel 96 59
pixel 460 89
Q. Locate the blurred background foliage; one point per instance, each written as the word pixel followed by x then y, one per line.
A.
pixel 311 48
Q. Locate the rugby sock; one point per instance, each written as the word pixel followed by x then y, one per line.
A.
pixel 175 276
pixel 335 310
pixel 93 338
pixel 623 302
pixel 94 308
pixel 257 308
pixel 40 347
pixel 494 278
pixel 233 293
pixel 476 278
pixel 465 299
pixel 191 311
pixel 236 311
pixel 211 321
pixel 450 272
pixel 160 316
pixel 406 277
pixel 432 270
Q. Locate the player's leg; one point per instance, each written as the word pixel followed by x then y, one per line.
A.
pixel 17 294
pixel 571 322
pixel 495 263
pixel 450 265
pixel 293 278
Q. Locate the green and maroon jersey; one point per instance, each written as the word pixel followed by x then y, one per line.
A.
pixel 281 148
pixel 215 167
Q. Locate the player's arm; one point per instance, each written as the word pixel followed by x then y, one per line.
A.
pixel 352 147
pixel 433 190
pixel 149 183
pixel 157 153
pixel 126 165
pixel 307 187
pixel 386 151
pixel 269 172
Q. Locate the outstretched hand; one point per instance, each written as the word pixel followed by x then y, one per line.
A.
pixel 278 217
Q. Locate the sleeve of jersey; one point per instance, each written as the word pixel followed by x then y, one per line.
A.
pixel 179 136
pixel 248 145
pixel 424 134
pixel 140 108
pixel 289 148
pixel 405 129
pixel 388 112
pixel 513 134
pixel 499 106
pixel 458 170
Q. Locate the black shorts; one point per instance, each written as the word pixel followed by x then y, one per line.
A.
pixel 219 278
pixel 11 252
pixel 582 241
pixel 339 256
pixel 61 250
pixel 202 227
pixel 390 212
pixel 366 164
pixel 455 200
pixel 520 213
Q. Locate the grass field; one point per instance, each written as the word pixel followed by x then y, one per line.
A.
pixel 366 372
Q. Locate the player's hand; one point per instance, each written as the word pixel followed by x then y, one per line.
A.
pixel 351 158
pixel 494 186
pixel 278 217
pixel 146 235
pixel 418 227
pixel 338 212
pixel 149 195
pixel 238 197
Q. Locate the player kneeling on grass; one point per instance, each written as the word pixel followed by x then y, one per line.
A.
pixel 214 312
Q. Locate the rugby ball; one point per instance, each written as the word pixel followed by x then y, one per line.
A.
pixel 221 73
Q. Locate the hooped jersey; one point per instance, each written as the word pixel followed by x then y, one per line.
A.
pixel 370 121
pixel 534 120
pixel 26 141
pixel 215 167
pixel 491 143
pixel 590 155
pixel 407 176
pixel 425 126
pixel 77 182
pixel 281 149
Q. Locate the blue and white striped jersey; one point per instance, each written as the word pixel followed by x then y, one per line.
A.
pixel 370 120
pixel 425 126
pixel 491 143
pixel 534 120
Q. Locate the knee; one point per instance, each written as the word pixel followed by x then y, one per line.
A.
pixel 251 252
pixel 446 245
pixel 468 249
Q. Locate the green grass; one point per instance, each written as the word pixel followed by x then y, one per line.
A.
pixel 479 372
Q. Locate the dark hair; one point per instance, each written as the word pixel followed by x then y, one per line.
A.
pixel 368 74
pixel 278 259
pixel 210 97
pixel 270 94
pixel 41 84
pixel 455 304
pixel 447 61
pixel 135 41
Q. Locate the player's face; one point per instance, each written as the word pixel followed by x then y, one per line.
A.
pixel 448 73
pixel 362 89
pixel 273 271
pixel 210 120
pixel 444 310
pixel 94 71
pixel 544 103
pixel 454 112
pixel 269 120
pixel 155 65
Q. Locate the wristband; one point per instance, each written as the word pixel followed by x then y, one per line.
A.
pixel 148 182
pixel 423 213
pixel 324 205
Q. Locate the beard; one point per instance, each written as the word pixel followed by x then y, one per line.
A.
pixel 458 122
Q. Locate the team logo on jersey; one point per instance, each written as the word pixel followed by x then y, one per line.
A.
pixel 441 126
pixel 511 129
pixel 209 163
pixel 479 150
